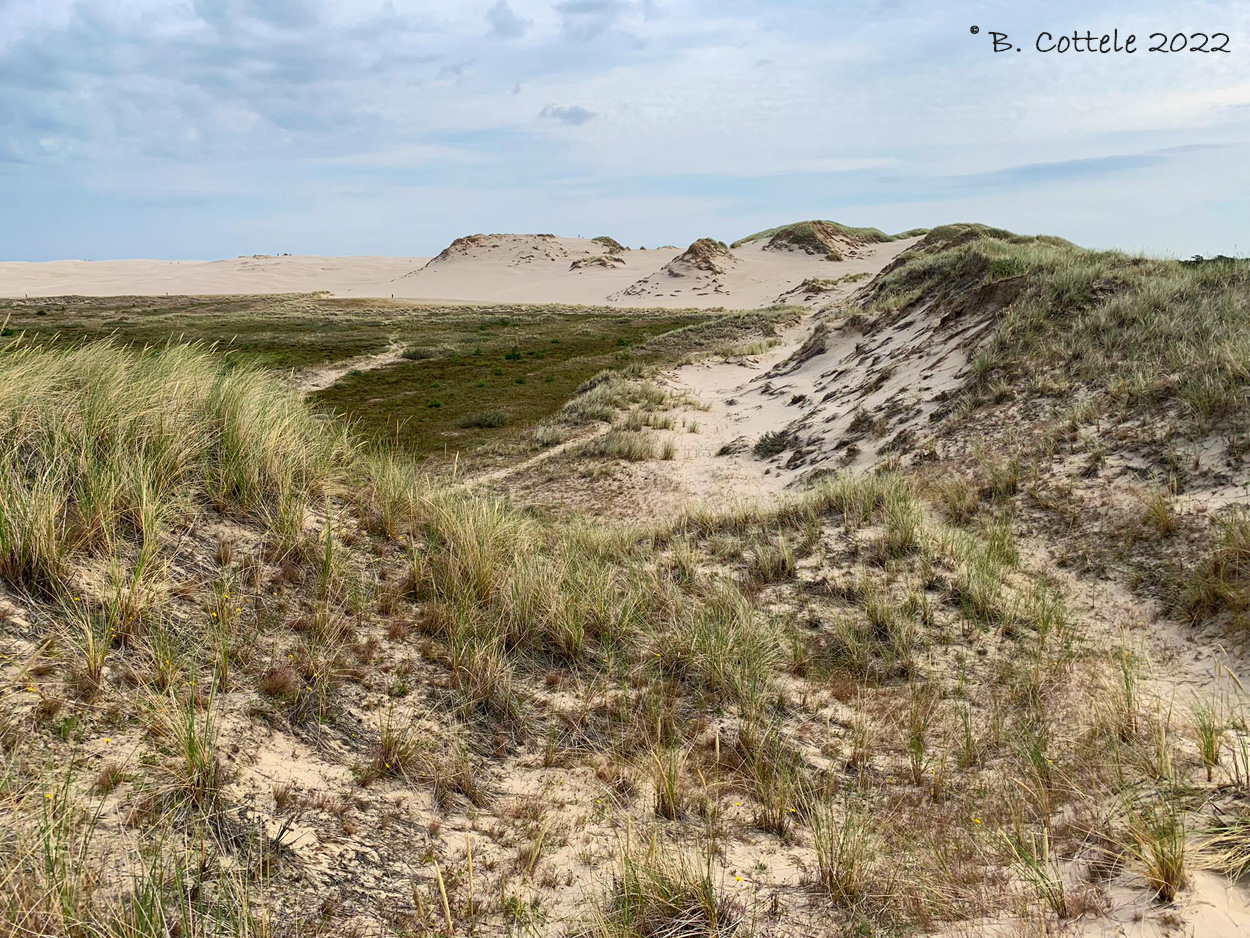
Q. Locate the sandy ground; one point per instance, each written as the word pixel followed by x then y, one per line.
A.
pixel 365 276
pixel 732 404
pixel 481 269
pixel 868 389
pixel 743 399
pixel 846 399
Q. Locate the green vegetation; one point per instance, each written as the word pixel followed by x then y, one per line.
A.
pixel 458 363
pixel 98 442
pixel 666 893
pixel 486 420
pixel 816 285
pixel 802 233
pixel 484 366
pixel 771 443
pixel 613 246
pixel 280 332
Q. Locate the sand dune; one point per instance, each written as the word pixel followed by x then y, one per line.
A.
pixel 503 268
pixel 506 268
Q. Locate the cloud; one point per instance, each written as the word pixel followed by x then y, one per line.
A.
pixel 584 20
pixel 1057 171
pixel 505 23
pixel 455 69
pixel 286 14
pixel 255 105
pixel 574 114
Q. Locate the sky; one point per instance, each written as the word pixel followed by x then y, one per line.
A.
pixel 216 128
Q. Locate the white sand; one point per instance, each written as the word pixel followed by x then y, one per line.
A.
pixel 489 269
pixel 259 274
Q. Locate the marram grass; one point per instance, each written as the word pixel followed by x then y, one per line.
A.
pixel 99 445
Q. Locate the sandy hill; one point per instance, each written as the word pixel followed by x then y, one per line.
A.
pixel 701 270
pixel 599 271
pixel 828 238
pixel 504 268
pixel 515 250
pixel 518 268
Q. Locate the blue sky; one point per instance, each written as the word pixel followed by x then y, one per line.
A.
pixel 213 128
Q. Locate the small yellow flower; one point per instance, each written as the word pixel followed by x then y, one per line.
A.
pixel 976 820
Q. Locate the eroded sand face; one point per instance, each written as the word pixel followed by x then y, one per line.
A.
pixel 734 402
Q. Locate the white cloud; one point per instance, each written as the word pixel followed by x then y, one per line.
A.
pixel 710 100
pixel 584 20
pixel 505 22
pixel 570 114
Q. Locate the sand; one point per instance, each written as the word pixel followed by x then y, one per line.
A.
pixel 243 275
pixel 846 397
pixel 477 269
pixel 735 401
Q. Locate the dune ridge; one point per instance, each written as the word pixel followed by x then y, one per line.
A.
pixel 757 271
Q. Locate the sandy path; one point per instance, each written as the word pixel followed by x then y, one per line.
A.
pixel 526 465
pixel 736 410
pixel 321 377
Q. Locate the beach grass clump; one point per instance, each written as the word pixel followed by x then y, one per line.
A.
pixel 661 891
pixel 101 445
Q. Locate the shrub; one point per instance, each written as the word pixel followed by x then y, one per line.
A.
pixel 486 420
pixel 772 443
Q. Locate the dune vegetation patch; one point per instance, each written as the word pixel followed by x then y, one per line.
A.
pixel 816 234
pixel 531 365
pixel 1130 369
pixel 454 362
